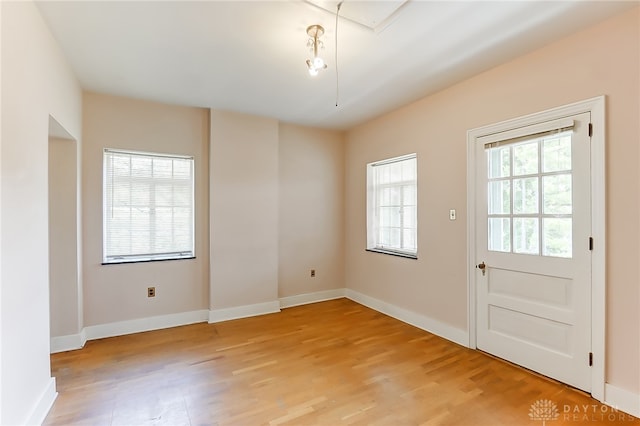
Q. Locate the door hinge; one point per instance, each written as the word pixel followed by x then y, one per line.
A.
pixel 591 243
pixel 590 129
pixel 590 359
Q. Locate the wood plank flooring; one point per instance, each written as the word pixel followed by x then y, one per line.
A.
pixel 329 363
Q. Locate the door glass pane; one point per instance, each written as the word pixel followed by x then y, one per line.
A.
pixel 557 237
pixel 556 194
pixel 525 159
pixel 500 234
pixel 500 197
pixel 499 162
pixel 556 153
pixel 525 196
pixel 525 235
pixel 529 196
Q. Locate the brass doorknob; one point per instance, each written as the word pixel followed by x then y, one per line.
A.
pixel 482 267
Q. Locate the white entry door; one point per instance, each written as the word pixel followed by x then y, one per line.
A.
pixel 533 230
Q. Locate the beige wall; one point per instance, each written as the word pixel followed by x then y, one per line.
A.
pixel 244 210
pixel 64 291
pixel 602 60
pixel 118 292
pixel 256 186
pixel 311 210
pixel 276 210
pixel 272 187
pixel 36 83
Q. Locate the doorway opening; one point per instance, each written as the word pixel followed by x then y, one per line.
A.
pixel 65 289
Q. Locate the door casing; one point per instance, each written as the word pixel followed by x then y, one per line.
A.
pixel 596 106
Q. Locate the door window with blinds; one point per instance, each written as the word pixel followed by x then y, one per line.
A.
pixel 530 193
pixel 148 207
pixel 392 219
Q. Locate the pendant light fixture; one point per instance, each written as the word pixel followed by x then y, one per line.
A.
pixel 316 63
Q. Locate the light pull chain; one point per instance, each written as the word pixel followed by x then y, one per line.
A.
pixel 336 53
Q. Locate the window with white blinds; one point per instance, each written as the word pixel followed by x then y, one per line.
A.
pixel 148 207
pixel 392 206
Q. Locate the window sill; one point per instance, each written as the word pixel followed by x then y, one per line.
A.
pixel 125 261
pixel 394 253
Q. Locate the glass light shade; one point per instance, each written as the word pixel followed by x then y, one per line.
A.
pixel 318 63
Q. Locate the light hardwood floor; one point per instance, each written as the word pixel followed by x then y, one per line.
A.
pixel 328 363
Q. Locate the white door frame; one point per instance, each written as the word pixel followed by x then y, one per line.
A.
pixel 596 106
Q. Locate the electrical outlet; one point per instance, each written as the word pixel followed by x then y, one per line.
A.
pixel 151 292
pixel 313 273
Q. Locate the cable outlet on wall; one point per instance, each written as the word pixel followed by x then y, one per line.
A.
pixel 151 292
pixel 312 274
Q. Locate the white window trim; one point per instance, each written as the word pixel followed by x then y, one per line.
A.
pixel 145 257
pixel 372 210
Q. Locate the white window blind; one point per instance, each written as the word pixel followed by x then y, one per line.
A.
pixel 148 207
pixel 392 208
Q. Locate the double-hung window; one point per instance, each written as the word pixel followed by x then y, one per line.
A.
pixel 148 207
pixel 392 206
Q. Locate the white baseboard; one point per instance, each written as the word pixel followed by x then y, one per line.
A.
pixel 44 404
pixel 305 299
pixel 120 328
pixel 70 342
pixel 453 334
pixel 245 311
pixel 622 399
pixel 145 324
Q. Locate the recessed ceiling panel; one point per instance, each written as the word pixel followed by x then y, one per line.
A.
pixel 375 15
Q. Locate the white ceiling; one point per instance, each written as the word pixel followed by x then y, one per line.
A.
pixel 250 56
